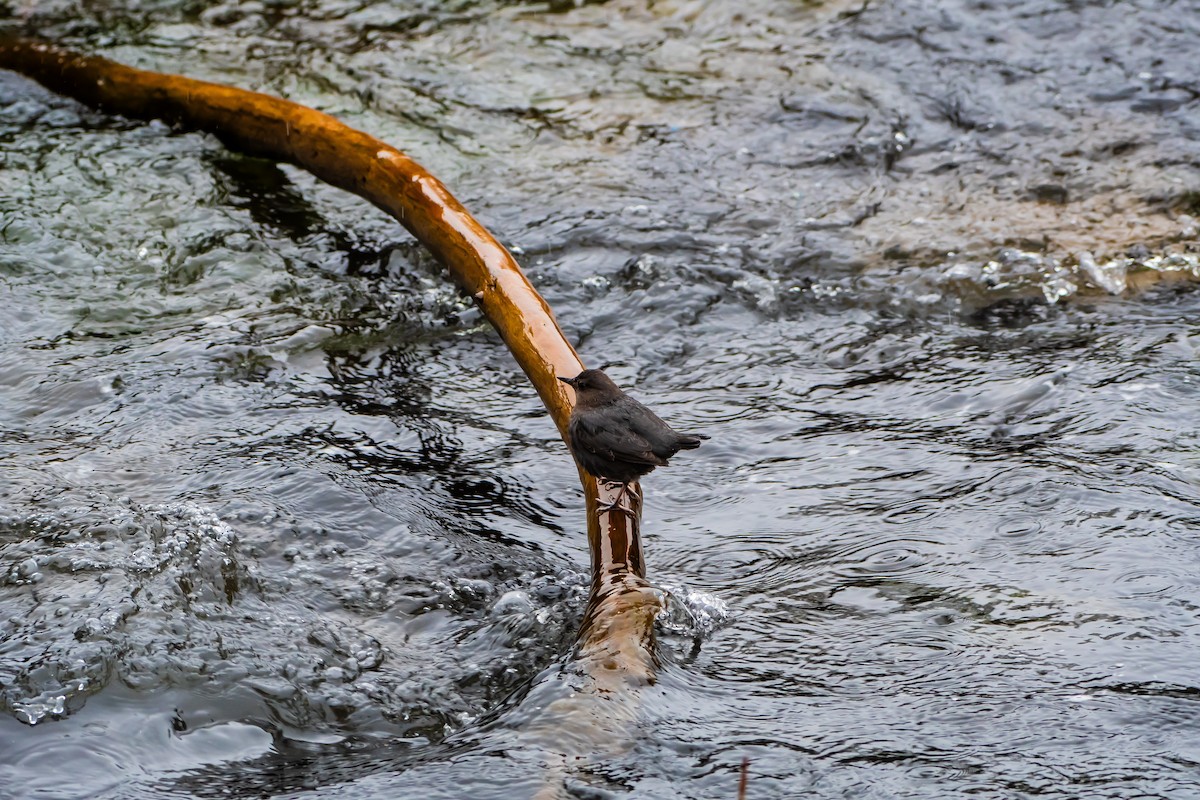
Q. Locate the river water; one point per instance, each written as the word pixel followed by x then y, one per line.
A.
pixel 280 517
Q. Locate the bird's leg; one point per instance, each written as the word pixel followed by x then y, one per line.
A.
pixel 616 504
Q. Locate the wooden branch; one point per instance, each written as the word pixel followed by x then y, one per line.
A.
pixel 616 637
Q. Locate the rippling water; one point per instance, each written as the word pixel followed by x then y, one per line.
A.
pixel 280 516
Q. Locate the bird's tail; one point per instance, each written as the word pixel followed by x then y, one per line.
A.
pixel 690 441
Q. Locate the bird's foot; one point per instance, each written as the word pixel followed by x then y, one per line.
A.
pixel 616 504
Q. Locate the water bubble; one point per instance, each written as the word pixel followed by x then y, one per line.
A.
pixel 691 613
pixel 512 602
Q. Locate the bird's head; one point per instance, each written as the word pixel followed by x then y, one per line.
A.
pixel 592 384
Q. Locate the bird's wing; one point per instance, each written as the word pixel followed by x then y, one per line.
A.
pixel 660 438
pixel 619 442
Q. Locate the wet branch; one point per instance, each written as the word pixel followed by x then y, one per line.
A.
pixel 616 637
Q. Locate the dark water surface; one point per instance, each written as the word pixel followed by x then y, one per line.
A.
pixel 279 516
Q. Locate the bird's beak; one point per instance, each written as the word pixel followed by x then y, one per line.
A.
pixel 567 381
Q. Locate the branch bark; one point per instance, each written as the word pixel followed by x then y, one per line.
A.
pixel 615 639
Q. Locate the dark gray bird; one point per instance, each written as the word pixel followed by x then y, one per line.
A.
pixel 615 437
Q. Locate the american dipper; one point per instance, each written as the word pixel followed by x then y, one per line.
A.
pixel 615 437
